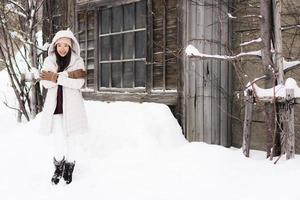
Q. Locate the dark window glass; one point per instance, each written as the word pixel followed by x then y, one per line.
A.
pixel 90 78
pixel 90 20
pixel 117 19
pixel 81 21
pixel 90 64
pixel 82 54
pixel 91 34
pixel 116 74
pixel 128 75
pixel 82 45
pixel 140 14
pixel 104 73
pixel 105 21
pixel 90 44
pixel 82 36
pixel 140 44
pixel 105 48
pixel 90 53
pixel 128 16
pixel 116 47
pixel 140 74
pixel 128 46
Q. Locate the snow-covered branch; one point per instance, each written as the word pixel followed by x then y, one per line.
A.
pixel 289 65
pixel 191 51
pixel 258 40
pixel 296 26
pixel 11 8
pixel 32 13
pixel 245 16
pixel 230 16
pixel 17 5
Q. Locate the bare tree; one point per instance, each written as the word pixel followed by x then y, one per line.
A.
pixel 18 27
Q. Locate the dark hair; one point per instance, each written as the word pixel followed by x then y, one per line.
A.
pixel 63 62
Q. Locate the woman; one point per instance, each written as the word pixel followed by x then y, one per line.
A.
pixel 63 115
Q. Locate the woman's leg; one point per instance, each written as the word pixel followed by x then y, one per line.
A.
pixel 70 158
pixel 59 147
pixel 71 148
pixel 59 138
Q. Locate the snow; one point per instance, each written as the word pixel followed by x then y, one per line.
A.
pixel 164 91
pixel 230 16
pixel 279 91
pixel 192 51
pixel 288 65
pixel 258 40
pixel 136 151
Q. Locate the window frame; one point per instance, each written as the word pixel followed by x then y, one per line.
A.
pixel 96 7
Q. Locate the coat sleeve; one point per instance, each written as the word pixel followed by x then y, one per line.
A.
pixel 48 66
pixel 65 81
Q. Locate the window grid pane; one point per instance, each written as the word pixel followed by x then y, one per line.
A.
pixel 140 74
pixel 117 21
pixel 121 44
pixel 116 75
pixel 140 44
pixel 116 47
pixel 105 20
pixel 129 16
pixel 140 14
pixel 128 45
pixel 128 75
pixel 104 73
pixel 105 47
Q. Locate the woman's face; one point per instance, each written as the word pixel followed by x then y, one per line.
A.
pixel 62 49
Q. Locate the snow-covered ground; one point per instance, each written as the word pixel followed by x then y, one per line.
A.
pixel 136 152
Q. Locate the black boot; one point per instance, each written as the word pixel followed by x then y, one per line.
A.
pixel 59 168
pixel 69 167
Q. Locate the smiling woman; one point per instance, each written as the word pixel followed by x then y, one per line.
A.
pixel 64 116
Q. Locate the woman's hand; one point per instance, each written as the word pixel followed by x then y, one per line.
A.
pixel 77 74
pixel 49 76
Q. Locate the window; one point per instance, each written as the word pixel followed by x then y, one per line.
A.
pixel 87 43
pixel 122 46
pixel 113 45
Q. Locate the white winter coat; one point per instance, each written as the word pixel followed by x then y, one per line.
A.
pixel 74 114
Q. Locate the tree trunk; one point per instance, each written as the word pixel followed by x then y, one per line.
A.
pixel 247 123
pixel 278 40
pixel 278 61
pixel 266 31
pixel 288 126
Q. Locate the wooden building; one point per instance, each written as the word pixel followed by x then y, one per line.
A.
pixel 134 51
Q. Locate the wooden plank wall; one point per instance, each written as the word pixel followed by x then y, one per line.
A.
pixel 206 82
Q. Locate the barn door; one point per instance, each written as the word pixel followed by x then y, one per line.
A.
pixel 206 82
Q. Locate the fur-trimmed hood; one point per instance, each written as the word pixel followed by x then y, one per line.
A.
pixel 64 34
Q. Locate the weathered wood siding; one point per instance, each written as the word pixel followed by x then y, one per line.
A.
pixel 207 83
